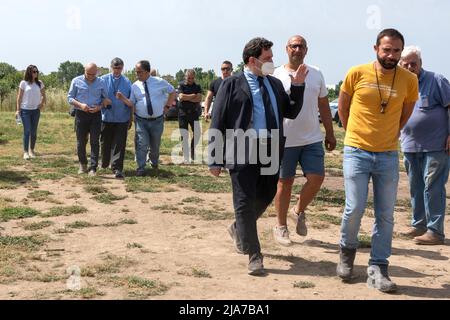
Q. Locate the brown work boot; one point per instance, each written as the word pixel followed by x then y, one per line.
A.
pixel 429 239
pixel 412 232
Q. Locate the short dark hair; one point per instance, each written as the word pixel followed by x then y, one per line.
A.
pixel 255 47
pixel 391 33
pixel 117 62
pixel 145 64
pixel 228 63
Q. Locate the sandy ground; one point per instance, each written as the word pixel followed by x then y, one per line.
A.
pixel 195 258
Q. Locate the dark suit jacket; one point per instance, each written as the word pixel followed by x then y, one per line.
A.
pixel 233 109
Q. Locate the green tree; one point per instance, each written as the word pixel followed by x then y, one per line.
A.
pixel 9 80
pixel 240 67
pixel 69 70
pixel 6 69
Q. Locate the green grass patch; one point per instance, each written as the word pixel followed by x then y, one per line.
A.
pixel 39 195
pixel 304 285
pixel 38 225
pixel 365 241
pixel 7 214
pixel 112 264
pixel 64 211
pixel 192 200
pixel 207 214
pixel 95 189
pixel 29 243
pixel 108 198
pixel 80 225
pixel 198 273
pixel 327 218
pixel 134 245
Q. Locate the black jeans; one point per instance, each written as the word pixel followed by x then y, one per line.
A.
pixel 252 194
pixel 113 140
pixel 184 121
pixel 88 125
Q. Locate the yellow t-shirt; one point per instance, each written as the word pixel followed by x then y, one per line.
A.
pixel 367 127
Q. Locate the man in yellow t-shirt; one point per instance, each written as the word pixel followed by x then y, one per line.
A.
pixel 375 102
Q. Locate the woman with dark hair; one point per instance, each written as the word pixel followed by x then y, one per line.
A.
pixel 30 101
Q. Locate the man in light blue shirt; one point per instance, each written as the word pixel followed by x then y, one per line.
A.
pixel 116 119
pixel 426 143
pixel 88 95
pixel 149 95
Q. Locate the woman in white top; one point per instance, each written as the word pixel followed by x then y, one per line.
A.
pixel 30 101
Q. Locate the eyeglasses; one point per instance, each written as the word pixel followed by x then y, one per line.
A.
pixel 297 46
pixel 226 69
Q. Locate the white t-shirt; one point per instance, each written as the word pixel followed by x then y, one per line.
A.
pixel 31 95
pixel 305 129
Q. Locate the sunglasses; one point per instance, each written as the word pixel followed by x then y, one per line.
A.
pixel 35 71
pixel 297 46
pixel 226 69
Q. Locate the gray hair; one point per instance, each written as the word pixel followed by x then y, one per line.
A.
pixel 117 62
pixel 189 72
pixel 412 50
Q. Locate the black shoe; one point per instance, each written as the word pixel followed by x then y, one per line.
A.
pixel 119 174
pixel 140 173
pixel 237 243
pixel 344 268
pixel 155 166
pixel 255 265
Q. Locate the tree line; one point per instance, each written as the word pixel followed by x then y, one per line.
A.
pixel 57 83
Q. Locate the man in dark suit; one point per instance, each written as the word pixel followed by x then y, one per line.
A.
pixel 250 108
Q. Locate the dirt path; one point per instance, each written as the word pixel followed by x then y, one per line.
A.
pixel 167 251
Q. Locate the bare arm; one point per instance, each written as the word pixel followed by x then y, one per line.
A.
pixel 325 115
pixel 44 99
pixel 125 100
pixel 344 108
pixel 407 111
pixel 196 98
pixel 171 98
pixel 208 101
pixel 19 100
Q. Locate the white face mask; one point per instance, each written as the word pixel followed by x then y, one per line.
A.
pixel 267 68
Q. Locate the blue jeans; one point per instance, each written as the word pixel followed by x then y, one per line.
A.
pixel 383 168
pixel 30 120
pixel 148 133
pixel 428 174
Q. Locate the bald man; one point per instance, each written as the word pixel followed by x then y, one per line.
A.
pixel 88 95
pixel 304 141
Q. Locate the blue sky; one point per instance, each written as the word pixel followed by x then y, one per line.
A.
pixel 175 34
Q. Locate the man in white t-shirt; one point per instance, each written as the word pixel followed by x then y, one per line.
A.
pixel 304 142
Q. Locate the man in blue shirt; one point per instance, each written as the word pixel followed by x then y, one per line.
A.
pixel 88 95
pixel 116 119
pixel 426 143
pixel 149 95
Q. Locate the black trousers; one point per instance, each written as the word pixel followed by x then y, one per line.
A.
pixel 184 122
pixel 88 125
pixel 113 140
pixel 252 194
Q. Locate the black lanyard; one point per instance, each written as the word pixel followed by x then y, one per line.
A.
pixel 115 87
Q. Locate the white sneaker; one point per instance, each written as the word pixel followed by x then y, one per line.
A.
pixel 26 156
pixel 32 154
pixel 281 235
pixel 92 173
pixel 302 229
